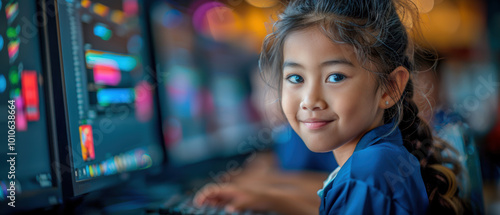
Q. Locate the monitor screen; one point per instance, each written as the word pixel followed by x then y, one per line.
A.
pixel 204 86
pixel 109 93
pixel 27 179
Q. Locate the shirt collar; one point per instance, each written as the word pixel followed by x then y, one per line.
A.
pixel 382 132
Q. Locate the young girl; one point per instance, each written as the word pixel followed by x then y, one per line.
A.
pixel 343 71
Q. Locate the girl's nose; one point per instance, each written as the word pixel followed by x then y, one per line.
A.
pixel 313 100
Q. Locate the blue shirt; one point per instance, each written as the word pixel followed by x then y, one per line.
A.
pixel 381 177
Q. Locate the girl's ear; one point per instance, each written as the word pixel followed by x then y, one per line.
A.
pixel 397 83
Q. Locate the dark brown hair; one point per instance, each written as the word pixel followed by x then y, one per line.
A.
pixel 379 37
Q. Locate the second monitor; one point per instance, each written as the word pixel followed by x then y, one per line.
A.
pixel 106 103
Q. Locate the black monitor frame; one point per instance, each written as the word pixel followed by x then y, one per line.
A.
pixel 70 187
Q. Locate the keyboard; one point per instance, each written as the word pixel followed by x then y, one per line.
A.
pixel 183 205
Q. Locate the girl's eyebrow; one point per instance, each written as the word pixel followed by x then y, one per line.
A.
pixel 324 64
pixel 336 62
pixel 291 64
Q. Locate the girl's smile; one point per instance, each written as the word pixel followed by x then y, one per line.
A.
pixel 315 124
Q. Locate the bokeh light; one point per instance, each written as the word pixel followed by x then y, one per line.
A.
pixel 453 24
pixel 216 20
pixel 262 3
pixel 424 6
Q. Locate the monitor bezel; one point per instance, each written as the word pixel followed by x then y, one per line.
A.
pixel 70 186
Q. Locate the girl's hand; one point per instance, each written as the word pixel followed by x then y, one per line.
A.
pixel 234 198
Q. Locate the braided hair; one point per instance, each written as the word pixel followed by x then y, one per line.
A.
pixel 380 38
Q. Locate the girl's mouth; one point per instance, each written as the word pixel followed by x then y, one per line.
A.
pixel 316 124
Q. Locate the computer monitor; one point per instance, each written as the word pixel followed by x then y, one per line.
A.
pixel 107 105
pixel 28 180
pixel 204 86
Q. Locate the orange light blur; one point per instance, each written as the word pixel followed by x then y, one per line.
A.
pixel 262 3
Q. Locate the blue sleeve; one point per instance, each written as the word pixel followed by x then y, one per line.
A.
pixel 358 197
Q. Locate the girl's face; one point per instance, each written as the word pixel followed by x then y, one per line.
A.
pixel 327 97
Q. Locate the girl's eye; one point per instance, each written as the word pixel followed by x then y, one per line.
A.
pixel 295 79
pixel 334 78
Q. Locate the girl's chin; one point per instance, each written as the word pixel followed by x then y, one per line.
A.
pixel 318 148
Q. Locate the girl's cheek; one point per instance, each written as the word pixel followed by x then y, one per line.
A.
pixel 285 104
pixel 289 105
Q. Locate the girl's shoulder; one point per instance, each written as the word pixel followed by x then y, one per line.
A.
pixel 382 175
pixel 385 166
